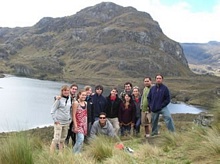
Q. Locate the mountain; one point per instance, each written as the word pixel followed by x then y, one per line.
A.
pixel 102 41
pixel 203 58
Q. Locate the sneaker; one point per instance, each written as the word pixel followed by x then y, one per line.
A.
pixel 147 135
pixel 128 149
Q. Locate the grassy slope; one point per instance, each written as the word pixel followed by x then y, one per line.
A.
pixel 190 144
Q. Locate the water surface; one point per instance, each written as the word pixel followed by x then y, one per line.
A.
pixel 26 103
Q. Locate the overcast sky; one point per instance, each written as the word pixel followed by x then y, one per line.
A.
pixel 194 21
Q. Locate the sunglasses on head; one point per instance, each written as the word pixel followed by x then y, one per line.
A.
pixel 102 117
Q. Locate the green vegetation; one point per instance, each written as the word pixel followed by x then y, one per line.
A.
pixel 190 144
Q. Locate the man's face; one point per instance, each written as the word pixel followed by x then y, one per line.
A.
pixel 102 119
pixel 73 90
pixel 147 82
pixel 89 92
pixel 98 91
pixel 113 92
pixel 127 87
pixel 159 79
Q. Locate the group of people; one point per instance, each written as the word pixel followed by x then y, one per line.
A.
pixel 87 114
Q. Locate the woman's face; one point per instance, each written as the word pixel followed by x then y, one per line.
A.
pixel 127 98
pixel 135 92
pixel 66 92
pixel 82 96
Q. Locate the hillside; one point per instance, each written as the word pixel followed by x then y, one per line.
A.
pixel 102 41
pixel 203 58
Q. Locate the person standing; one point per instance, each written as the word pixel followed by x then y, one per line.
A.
pixel 80 120
pixel 99 102
pixel 127 89
pixel 126 115
pixel 158 99
pixel 145 112
pixel 71 134
pixel 60 112
pixel 112 109
pixel 136 96
pixel 90 109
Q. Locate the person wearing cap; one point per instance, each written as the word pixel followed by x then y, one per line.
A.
pixel 102 127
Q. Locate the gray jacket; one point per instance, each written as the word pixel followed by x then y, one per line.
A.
pixel 60 111
pixel 105 130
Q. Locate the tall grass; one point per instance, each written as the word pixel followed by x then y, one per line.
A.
pixel 101 148
pixel 194 144
pixel 18 148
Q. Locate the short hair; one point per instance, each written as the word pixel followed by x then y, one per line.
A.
pixel 114 88
pixel 128 83
pixel 147 77
pixel 158 75
pixel 102 113
pixel 99 87
pixel 87 87
pixel 74 85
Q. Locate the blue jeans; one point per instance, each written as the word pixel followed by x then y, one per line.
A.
pixel 137 124
pixel 79 143
pixel 125 129
pixel 167 118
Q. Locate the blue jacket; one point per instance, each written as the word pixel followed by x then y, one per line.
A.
pixel 158 97
pixel 99 104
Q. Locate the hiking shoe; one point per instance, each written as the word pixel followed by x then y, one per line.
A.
pixel 147 135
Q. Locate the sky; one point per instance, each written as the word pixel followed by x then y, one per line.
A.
pixel 185 21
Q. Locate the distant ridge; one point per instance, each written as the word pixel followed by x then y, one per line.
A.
pixel 203 58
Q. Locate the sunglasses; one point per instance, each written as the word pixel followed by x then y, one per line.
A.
pixel 102 117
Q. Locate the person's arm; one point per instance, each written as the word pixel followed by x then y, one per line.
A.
pixel 53 111
pixel 74 108
pixel 149 100
pixel 111 131
pixel 93 130
pixel 166 99
pixel 133 113
pixel 120 114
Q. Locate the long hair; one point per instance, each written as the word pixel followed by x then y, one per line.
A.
pixel 130 101
pixel 79 93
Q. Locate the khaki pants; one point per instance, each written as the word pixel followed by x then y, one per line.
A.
pixel 115 124
pixel 60 132
pixel 145 118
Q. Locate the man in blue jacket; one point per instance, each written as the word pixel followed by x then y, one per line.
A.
pixel 158 99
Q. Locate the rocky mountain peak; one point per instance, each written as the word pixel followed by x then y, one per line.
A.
pixel 102 41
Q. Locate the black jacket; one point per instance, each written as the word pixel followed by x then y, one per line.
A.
pixel 112 107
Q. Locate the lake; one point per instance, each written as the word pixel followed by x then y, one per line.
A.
pixel 26 103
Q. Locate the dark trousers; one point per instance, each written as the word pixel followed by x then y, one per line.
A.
pixel 70 134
